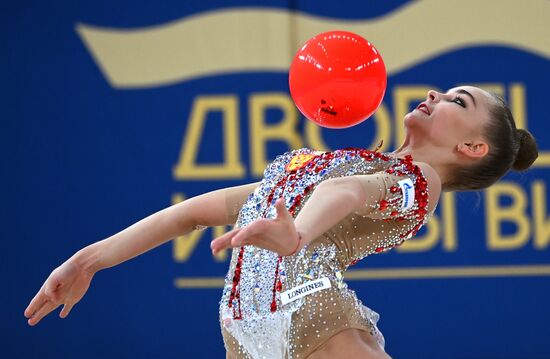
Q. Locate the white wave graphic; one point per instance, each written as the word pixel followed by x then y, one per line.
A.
pixel 251 39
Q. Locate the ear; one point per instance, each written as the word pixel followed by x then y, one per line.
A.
pixel 473 150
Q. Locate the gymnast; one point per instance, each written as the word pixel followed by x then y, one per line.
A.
pixel 312 216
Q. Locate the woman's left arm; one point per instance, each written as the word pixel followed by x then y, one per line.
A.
pixel 331 201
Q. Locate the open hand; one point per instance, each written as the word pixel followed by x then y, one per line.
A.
pixel 278 235
pixel 66 285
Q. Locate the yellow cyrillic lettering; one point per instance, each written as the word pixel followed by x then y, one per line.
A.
pixel 232 167
pixel 542 224
pixel 260 132
pixel 514 213
pixel 383 128
pixel 426 242
pixel 314 139
pixel 518 105
pixel 314 136
pixel 448 213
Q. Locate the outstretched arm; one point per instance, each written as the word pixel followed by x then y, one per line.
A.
pixel 211 209
pixel 331 202
pixel 68 283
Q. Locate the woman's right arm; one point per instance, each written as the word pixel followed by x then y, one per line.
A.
pixel 210 209
pixel 68 283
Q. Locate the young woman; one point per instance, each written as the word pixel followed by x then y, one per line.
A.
pixel 313 215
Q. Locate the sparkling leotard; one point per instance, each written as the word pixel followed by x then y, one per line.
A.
pixel 255 323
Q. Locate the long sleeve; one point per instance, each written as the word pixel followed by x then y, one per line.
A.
pixel 400 192
pixel 398 203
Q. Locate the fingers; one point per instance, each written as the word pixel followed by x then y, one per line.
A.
pixel 250 233
pixel 258 232
pixel 35 303
pixel 223 241
pixel 282 212
pixel 35 306
pixel 66 310
pixel 46 296
pixel 237 237
pixel 42 312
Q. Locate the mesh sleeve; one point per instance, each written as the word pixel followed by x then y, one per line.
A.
pixel 396 195
pixel 235 197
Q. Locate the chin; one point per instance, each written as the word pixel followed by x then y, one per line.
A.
pixel 410 120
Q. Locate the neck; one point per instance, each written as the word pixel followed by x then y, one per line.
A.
pixel 434 156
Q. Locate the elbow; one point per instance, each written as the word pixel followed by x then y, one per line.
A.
pixel 182 216
pixel 202 211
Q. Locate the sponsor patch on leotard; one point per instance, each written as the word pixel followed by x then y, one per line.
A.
pixel 305 289
pixel 407 189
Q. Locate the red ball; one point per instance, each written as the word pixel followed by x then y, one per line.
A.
pixel 337 79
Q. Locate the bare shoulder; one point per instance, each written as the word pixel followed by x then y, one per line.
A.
pixel 434 183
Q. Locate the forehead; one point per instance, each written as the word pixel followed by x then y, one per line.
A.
pixel 479 95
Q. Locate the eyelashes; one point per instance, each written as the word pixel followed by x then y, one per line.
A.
pixel 458 100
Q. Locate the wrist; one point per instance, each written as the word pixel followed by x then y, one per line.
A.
pixel 89 258
pixel 304 237
pixel 299 245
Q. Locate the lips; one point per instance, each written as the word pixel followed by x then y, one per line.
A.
pixel 424 108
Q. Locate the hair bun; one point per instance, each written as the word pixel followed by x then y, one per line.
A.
pixel 528 150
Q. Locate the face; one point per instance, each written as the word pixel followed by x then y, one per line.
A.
pixel 450 119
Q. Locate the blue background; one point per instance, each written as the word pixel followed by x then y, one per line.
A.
pixel 82 160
